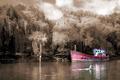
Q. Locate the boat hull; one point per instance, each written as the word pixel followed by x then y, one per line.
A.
pixel 77 56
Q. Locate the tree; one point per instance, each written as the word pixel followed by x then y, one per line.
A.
pixel 38 41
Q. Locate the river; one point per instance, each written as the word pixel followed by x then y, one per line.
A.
pixel 61 71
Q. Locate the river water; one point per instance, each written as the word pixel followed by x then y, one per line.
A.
pixel 61 71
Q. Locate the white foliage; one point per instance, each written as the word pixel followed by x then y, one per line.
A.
pixel 62 24
pixel 89 20
pixel 50 11
pixel 38 36
pixel 59 38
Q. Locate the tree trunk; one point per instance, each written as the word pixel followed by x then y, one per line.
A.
pixel 35 47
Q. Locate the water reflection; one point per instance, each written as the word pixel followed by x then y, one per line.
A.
pixel 60 71
pixel 100 71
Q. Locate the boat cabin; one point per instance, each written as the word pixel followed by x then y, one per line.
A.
pixel 99 52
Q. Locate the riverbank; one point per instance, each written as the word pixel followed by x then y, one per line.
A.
pixel 45 58
pixel 114 58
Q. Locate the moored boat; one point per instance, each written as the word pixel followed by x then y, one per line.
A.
pixel 99 55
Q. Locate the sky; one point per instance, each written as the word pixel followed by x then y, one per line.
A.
pixel 100 7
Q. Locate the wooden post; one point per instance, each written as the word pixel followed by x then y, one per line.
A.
pixel 40 60
pixel 40 52
pixel 75 47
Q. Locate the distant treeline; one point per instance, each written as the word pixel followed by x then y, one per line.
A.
pixel 81 28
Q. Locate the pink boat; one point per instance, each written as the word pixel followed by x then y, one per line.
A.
pixel 78 56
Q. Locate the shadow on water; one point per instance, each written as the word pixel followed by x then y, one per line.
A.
pixel 60 71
